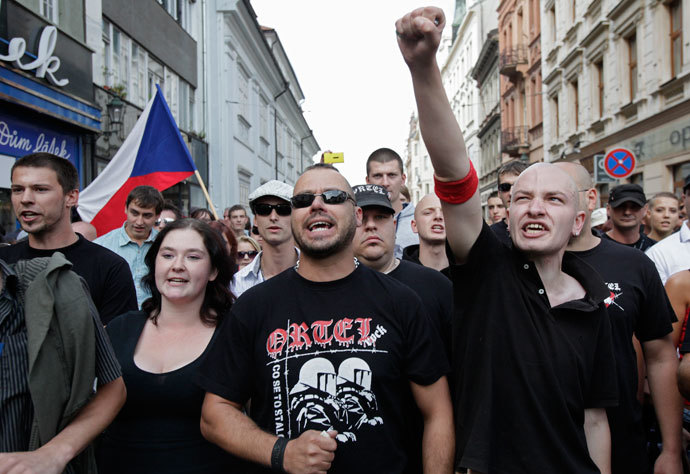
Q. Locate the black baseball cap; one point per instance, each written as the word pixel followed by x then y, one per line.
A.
pixel 627 192
pixel 368 195
pixel 687 183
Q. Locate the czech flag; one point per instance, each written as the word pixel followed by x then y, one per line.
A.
pixel 153 154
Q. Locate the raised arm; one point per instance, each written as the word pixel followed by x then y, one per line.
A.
pixel 419 34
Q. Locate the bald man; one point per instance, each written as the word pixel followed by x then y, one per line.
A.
pixel 638 306
pixel 87 230
pixel 429 225
pixel 535 368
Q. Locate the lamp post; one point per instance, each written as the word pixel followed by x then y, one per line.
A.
pixel 116 110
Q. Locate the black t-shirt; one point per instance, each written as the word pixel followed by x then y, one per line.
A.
pixel 157 429
pixel 643 243
pixel 411 254
pixel 500 228
pixel 523 372
pixel 107 274
pixel 435 291
pixel 638 304
pixel 329 355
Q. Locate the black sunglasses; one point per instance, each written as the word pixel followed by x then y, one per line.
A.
pixel 332 196
pixel 504 187
pixel 251 253
pixel 263 209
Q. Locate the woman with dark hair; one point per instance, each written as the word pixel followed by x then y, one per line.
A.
pixel 202 215
pixel 228 237
pixel 160 349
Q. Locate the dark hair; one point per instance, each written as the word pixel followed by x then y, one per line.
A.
pixel 494 194
pixel 198 212
pixel 514 167
pixel 236 207
pixel 405 192
pixel 223 230
pixel 66 173
pixel 146 196
pixel 168 205
pixel 218 299
pixel 384 155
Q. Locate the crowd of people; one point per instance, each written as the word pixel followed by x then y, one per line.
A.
pixel 347 329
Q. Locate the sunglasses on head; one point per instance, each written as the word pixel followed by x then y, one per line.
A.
pixel 504 187
pixel 263 209
pixel 242 254
pixel 332 196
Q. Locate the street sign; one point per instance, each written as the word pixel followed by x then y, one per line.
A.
pixel 600 175
pixel 619 163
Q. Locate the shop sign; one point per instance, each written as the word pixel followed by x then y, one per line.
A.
pixel 19 139
pixel 45 64
pixel 669 139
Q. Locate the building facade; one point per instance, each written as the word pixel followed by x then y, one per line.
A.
pixel 77 74
pixel 485 72
pixel 47 100
pixel 519 38
pixel 256 128
pixel 617 75
pixel 471 24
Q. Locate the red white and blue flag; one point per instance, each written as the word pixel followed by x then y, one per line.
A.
pixel 153 154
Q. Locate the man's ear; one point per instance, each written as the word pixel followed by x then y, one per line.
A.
pixel 358 216
pixel 404 178
pixel 72 198
pixel 366 178
pixel 413 224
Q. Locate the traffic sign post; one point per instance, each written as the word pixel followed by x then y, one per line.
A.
pixel 619 163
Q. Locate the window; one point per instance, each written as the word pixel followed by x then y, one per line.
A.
pixel 243 93
pixel 263 118
pixel 599 87
pixel 49 9
pixel 576 104
pixel 138 93
pixel 170 6
pixel 183 104
pixel 243 187
pixel 676 37
pixel 552 22
pixel 155 77
pixel 116 63
pixel 107 69
pixel 556 121
pixel 632 65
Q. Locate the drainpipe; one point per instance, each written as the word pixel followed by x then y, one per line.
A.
pixel 301 161
pixel 275 124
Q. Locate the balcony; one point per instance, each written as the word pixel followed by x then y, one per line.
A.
pixel 513 139
pixel 510 58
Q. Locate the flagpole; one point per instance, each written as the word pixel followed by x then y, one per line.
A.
pixel 208 198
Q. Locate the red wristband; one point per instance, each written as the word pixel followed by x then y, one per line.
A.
pixel 457 192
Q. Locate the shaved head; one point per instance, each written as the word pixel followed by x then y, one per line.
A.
pixel 430 200
pixel 579 173
pixel 545 170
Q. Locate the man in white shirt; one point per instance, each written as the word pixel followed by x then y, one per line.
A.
pixel 672 254
pixel 271 206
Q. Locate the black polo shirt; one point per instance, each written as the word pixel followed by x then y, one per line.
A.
pixel 524 372
pixel 500 228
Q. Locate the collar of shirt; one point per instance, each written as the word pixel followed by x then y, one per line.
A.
pixel 595 289
pixel 124 239
pixel 685 232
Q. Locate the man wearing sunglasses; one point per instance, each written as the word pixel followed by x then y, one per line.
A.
pixel 333 355
pixel 507 175
pixel 270 204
